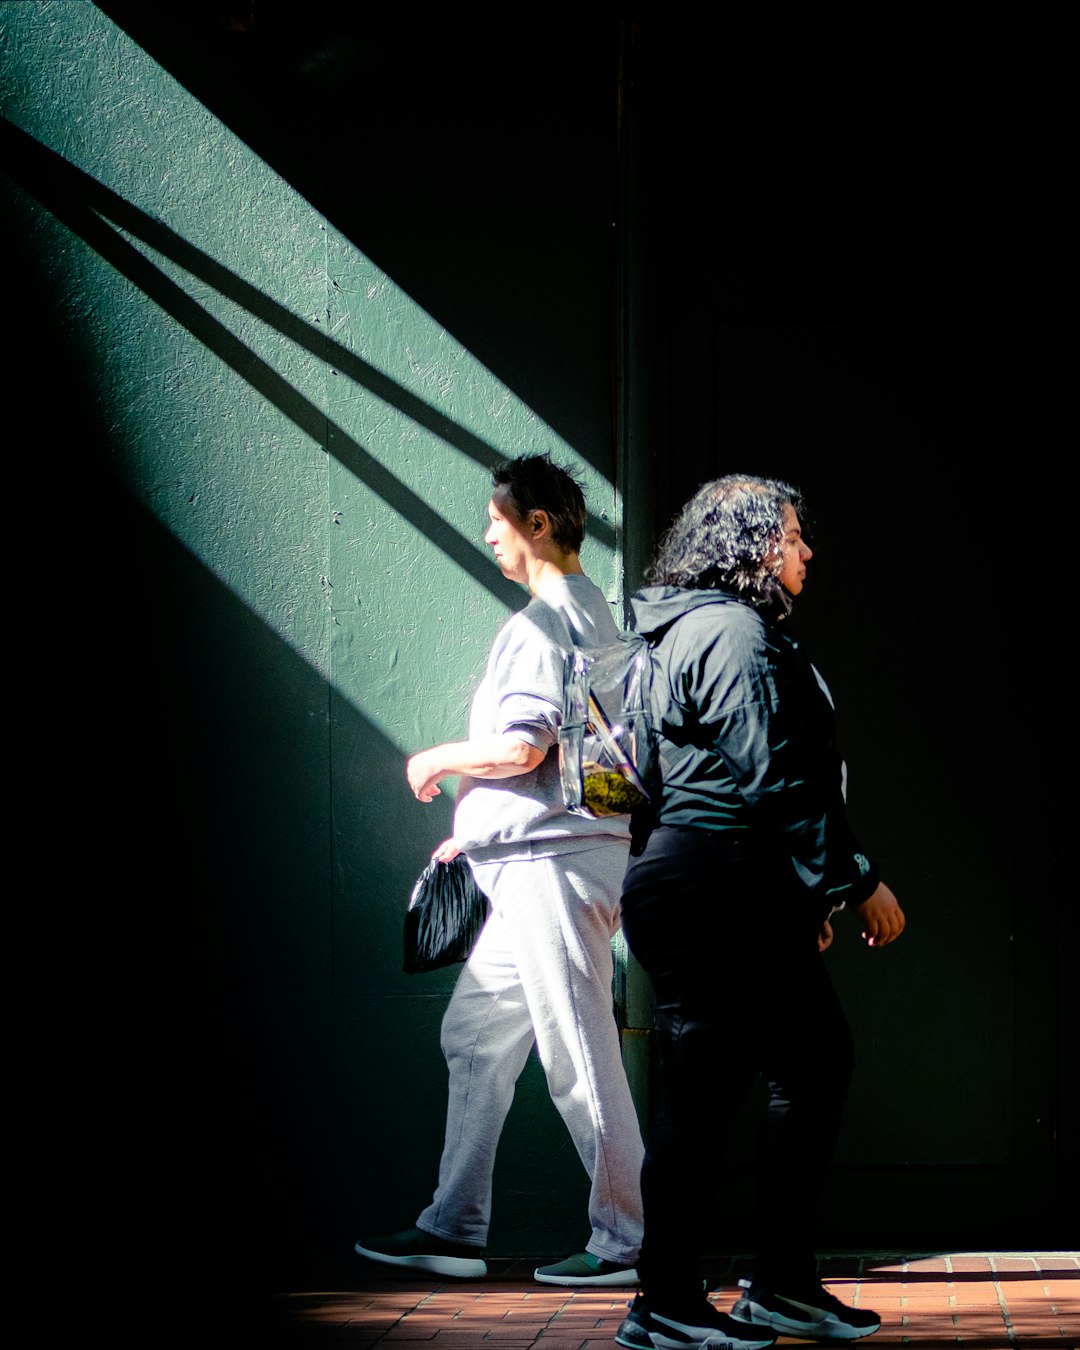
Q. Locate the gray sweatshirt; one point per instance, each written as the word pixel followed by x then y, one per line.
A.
pixel 521 692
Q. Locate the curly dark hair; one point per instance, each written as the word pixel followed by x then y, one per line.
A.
pixel 728 536
pixel 537 483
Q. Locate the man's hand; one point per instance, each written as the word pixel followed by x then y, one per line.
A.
pixel 882 917
pixel 446 852
pixel 825 937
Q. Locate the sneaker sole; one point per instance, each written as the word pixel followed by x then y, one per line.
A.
pixel 829 1328
pixel 636 1338
pixel 714 1340
pixel 459 1267
pixel 672 1335
pixel 615 1279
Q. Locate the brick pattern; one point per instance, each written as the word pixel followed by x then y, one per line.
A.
pixel 982 1300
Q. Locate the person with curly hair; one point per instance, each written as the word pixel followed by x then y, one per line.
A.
pixel 734 874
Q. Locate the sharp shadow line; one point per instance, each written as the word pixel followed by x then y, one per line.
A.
pixel 69 184
pixel 262 377
pixel 870 1275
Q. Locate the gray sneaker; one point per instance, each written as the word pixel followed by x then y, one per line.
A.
pixel 413 1249
pixel 585 1269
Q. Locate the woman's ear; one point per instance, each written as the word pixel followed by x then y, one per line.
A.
pixel 539 521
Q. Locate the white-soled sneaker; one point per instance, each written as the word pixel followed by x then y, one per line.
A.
pixel 413 1249
pixel 700 1328
pixel 588 1271
pixel 809 1311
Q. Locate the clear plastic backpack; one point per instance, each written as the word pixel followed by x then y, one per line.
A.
pixel 607 746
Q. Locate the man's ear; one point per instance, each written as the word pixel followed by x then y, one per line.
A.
pixel 539 523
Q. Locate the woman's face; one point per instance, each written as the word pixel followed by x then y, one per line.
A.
pixel 507 537
pixel 794 554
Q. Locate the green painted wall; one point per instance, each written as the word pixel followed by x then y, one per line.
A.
pixel 277 467
pixel 271 311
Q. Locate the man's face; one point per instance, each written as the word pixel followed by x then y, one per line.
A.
pixel 794 554
pixel 509 537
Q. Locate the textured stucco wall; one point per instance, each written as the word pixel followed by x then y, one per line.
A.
pixel 296 459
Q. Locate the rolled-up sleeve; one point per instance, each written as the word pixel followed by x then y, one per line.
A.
pixel 526 683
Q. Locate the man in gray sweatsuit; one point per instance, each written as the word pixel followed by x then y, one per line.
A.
pixel 542 968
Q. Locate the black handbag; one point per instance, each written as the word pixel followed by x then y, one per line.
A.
pixel 446 912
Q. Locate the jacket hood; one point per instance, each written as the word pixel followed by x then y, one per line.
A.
pixel 656 608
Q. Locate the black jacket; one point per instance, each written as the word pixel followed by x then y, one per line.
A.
pixel 747 739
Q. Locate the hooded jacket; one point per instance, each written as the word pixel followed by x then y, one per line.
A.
pixel 746 730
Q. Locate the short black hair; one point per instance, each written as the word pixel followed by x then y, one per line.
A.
pixel 537 483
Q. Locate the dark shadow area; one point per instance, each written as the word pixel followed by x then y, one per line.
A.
pixel 157 1121
pixel 813 129
pixel 253 1108
pixel 242 1114
pixel 910 388
pixel 469 151
pixel 197 1078
pixel 236 1115
pixel 216 1119
pixel 790 161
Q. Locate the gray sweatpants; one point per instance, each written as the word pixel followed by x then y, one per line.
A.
pixel 542 969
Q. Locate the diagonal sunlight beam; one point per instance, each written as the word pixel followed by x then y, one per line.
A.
pixel 64 189
pixel 285 397
pixel 296 420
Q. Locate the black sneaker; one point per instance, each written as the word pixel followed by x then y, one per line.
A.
pixel 702 1326
pixel 808 1311
pixel 414 1249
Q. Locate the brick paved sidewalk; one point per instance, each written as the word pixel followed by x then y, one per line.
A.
pixel 983 1300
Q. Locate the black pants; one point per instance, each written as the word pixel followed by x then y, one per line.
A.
pixel 730 945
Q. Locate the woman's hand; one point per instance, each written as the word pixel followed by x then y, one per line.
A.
pixel 423 772
pixel 882 917
pixel 501 756
pixel 446 852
